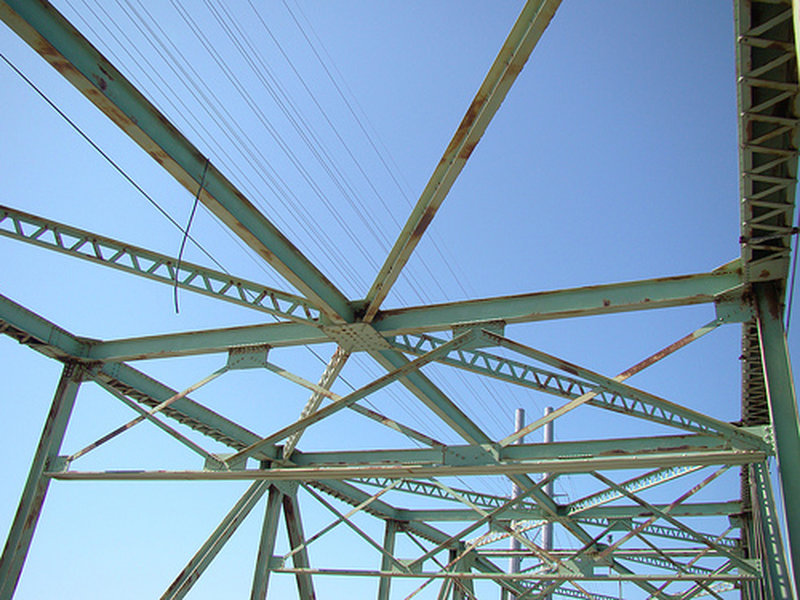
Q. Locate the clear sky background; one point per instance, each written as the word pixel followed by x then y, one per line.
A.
pixel 613 158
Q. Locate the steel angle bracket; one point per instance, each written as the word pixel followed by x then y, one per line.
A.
pixel 248 357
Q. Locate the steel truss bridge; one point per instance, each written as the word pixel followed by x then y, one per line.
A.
pixel 746 547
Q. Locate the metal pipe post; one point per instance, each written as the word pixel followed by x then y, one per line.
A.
pixel 547 530
pixel 515 561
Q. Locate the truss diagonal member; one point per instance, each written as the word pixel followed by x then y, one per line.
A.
pixel 352 495
pixel 340 518
pixel 675 522
pixel 529 27
pixel 696 419
pixel 679 500
pixel 158 422
pixel 584 398
pixel 355 396
pixel 34 493
pixel 485 518
pixel 432 397
pixel 125 257
pixel 294 529
pixel 332 370
pixel 550 382
pixel 59 43
pixel 696 590
pixel 209 550
pixel 370 414
pixel 159 407
pixel 636 484
pixel 687 566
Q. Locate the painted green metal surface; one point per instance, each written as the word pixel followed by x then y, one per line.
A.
pixel 767 86
pixel 131 259
pixel 527 30
pixel 783 412
pixel 33 496
pixel 212 546
pixel 59 42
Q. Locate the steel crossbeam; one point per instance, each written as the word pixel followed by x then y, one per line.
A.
pixel 131 259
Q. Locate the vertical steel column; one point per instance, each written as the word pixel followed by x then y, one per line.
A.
pixel 294 527
pixel 783 412
pixel 389 535
pixel 463 588
pixel 33 495
pixel 769 534
pixel 209 550
pixel 267 545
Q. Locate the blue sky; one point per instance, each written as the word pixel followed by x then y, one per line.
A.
pixel 613 158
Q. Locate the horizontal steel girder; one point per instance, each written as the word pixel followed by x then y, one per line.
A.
pixel 59 43
pixel 599 512
pixel 128 258
pixel 594 300
pixel 488 454
pixel 574 465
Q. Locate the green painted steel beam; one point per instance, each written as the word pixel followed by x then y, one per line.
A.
pixel 601 299
pixel 510 468
pixel 560 304
pixel 389 538
pixel 294 529
pixel 132 259
pixel 783 413
pixel 189 575
pixel 408 369
pixel 779 580
pixel 560 576
pixel 636 484
pixel 206 342
pixel 429 490
pixel 687 418
pixel 769 133
pixel 266 545
pixel 667 532
pixel 490 454
pixel 32 330
pixel 60 44
pixel 521 40
pixel 531 376
pixel 702 509
pixel 33 495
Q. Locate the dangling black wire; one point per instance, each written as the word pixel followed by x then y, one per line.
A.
pixel 186 233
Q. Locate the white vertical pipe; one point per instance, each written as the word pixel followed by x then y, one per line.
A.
pixel 514 561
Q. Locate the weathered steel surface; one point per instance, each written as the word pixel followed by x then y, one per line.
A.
pixel 768 92
pixel 59 43
pixel 513 55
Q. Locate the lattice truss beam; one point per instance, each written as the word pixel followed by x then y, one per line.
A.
pixel 642 524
